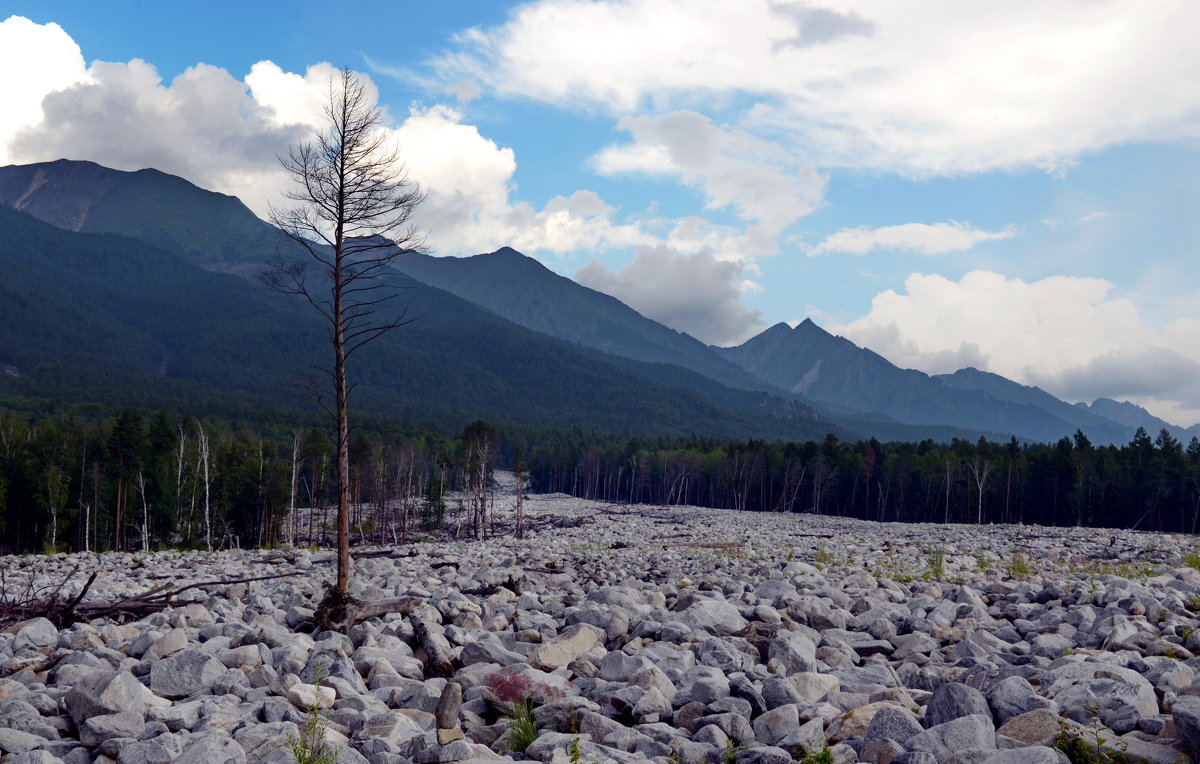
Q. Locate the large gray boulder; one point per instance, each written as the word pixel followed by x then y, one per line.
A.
pixel 795 651
pixel 190 672
pixel 964 733
pixel 952 701
pixel 106 692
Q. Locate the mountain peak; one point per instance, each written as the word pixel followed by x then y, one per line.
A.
pixel 808 326
pixel 507 252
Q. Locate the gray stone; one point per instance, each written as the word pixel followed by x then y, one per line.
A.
pixel 1034 754
pixel 794 651
pixel 260 740
pixel 162 749
pixel 892 723
pixel 1185 712
pixel 762 755
pixel 881 751
pixel 446 713
pixel 618 666
pixel 702 684
pixel 212 749
pixel 190 672
pixel 488 650
pixel 778 691
pixel 1013 696
pixel 961 734
pixel 456 751
pixel 35 757
pixel 954 700
pixel 35 634
pixel 736 726
pixel 105 693
pixel 102 727
pixel 715 616
pixel 15 741
pixel 777 724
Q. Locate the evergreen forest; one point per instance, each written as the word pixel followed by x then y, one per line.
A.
pixel 137 481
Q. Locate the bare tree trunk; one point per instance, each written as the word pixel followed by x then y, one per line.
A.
pixel 202 441
pixel 141 482
pixel 297 441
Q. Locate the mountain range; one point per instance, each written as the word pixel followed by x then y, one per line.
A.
pixel 129 288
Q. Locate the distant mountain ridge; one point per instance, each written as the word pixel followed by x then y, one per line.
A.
pixel 529 294
pixel 108 320
pixel 833 371
pixel 1134 416
pixel 772 378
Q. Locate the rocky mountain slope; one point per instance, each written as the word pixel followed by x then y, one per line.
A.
pixel 831 371
pixel 637 634
pixel 528 293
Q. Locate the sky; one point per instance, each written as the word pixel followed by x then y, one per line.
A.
pixel 1009 186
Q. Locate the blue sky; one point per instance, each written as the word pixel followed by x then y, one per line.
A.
pixel 1005 186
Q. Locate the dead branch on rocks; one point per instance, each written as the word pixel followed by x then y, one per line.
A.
pixel 34 602
pixel 62 613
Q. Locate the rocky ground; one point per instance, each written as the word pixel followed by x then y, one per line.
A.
pixel 637 633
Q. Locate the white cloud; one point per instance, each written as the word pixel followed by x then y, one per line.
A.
pixel 1064 334
pixel 919 238
pixel 35 59
pixel 697 293
pixel 759 180
pixel 936 87
pixel 224 134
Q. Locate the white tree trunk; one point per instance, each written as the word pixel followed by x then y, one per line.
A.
pixel 202 440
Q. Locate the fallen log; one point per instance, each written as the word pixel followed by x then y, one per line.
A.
pixel 436 647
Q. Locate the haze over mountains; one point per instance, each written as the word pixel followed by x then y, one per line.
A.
pixel 124 299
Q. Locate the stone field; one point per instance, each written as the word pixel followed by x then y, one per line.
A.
pixel 675 635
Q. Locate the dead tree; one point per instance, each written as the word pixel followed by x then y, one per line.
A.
pixel 354 201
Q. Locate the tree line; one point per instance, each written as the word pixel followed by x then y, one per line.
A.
pixel 143 482
pixel 138 483
pixel 1148 483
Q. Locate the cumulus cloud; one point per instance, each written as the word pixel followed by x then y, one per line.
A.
pixel 918 238
pixel 698 293
pixel 204 127
pixel 1064 334
pixel 35 59
pixel 942 88
pixel 224 134
pixel 759 180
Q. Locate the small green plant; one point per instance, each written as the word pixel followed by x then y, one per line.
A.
pixel 514 693
pixel 982 560
pixel 823 756
pixel 821 558
pixel 1019 567
pixel 1193 603
pixel 731 752
pixel 936 560
pixel 574 755
pixel 1192 560
pixel 521 728
pixel 310 747
pixel 1086 746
